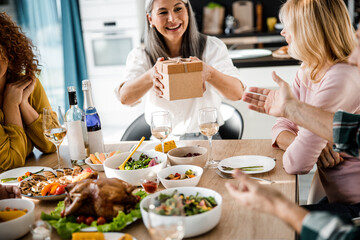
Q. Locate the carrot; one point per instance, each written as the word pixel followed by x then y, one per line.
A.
pixel 102 157
pixel 176 178
pixel 54 186
pixel 112 153
pixel 94 159
pixel 191 175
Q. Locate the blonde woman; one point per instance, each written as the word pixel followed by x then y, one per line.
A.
pixel 320 34
pixel 171 31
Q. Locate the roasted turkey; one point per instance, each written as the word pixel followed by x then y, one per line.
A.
pixel 99 198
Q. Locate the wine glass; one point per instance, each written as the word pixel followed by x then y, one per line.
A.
pixel 166 218
pixel 54 127
pixel 209 126
pixel 161 126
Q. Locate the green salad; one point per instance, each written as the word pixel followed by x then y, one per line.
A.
pixel 166 204
pixel 67 225
pixel 144 161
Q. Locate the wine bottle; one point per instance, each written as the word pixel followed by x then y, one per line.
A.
pixel 93 124
pixel 75 120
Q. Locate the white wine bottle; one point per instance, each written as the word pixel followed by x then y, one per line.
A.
pixel 75 118
pixel 93 124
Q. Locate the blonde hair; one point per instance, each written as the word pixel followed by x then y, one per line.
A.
pixel 321 33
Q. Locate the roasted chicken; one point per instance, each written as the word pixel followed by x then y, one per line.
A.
pixel 100 198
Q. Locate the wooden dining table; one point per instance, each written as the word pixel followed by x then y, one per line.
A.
pixel 236 222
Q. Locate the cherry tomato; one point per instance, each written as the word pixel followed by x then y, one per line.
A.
pixel 60 190
pixel 87 170
pixel 80 219
pixel 101 221
pixel 27 174
pixel 89 220
pixel 19 179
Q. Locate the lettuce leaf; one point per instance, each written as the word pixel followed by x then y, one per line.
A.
pixel 66 226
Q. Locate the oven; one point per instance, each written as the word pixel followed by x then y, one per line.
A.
pixel 107 45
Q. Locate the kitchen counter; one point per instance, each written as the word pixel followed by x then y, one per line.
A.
pixel 267 61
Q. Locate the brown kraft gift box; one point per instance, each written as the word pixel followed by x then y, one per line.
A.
pixel 182 78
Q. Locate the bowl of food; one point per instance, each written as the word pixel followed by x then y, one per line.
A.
pixel 143 164
pixel 16 216
pixel 202 215
pixel 96 160
pixel 180 176
pixel 190 155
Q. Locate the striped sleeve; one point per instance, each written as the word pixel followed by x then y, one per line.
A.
pixel 326 226
pixel 346 129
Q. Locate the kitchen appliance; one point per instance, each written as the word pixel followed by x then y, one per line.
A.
pixel 243 13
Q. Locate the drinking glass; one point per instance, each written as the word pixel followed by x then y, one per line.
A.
pixel 171 228
pixel 161 126
pixel 54 127
pixel 209 126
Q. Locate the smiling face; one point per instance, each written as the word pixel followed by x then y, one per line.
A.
pixel 170 18
pixel 354 58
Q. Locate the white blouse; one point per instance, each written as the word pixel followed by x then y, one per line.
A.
pixel 184 112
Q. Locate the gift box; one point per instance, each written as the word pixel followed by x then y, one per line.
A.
pixel 182 78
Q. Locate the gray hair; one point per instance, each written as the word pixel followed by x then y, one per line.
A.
pixel 193 43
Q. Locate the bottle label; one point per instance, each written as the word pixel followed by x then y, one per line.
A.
pixel 76 140
pixel 96 142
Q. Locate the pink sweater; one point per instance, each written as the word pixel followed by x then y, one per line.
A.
pixel 339 89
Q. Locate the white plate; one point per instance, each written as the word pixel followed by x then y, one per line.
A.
pixel 17 172
pixel 150 146
pixel 249 53
pixel 246 161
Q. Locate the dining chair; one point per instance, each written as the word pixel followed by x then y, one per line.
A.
pixel 137 129
pixel 233 126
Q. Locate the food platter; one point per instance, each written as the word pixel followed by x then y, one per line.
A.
pixel 17 172
pixel 248 161
pixel 46 198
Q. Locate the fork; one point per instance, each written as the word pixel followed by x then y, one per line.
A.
pixel 228 176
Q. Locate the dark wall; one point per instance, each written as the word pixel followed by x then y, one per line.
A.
pixel 270 9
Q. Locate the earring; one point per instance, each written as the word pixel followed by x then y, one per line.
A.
pixel 151 26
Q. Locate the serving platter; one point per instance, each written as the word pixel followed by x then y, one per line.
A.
pixel 17 172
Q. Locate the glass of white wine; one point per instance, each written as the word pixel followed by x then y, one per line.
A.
pixel 173 210
pixel 54 127
pixel 161 126
pixel 209 126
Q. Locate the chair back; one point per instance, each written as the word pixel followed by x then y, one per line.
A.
pixel 233 122
pixel 137 129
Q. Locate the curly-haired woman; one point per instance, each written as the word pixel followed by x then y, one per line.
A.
pixel 22 98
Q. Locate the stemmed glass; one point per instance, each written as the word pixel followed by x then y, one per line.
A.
pixel 173 227
pixel 209 126
pixel 54 127
pixel 161 126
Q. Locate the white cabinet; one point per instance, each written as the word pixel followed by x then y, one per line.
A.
pixel 258 125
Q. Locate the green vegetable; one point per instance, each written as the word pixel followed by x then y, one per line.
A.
pixel 143 162
pixel 66 226
pixel 249 168
pixel 213 5
pixel 4 180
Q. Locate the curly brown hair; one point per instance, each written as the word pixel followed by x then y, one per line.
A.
pixel 17 50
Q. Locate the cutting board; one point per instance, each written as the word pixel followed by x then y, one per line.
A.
pixel 243 13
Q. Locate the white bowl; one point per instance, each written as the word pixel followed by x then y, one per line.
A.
pixel 196 224
pixel 17 227
pixel 96 167
pixel 181 169
pixel 133 176
pixel 176 156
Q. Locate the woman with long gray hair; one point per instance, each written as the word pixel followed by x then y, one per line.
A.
pixel 171 32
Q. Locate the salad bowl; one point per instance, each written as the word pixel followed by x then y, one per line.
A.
pixel 196 224
pixel 134 177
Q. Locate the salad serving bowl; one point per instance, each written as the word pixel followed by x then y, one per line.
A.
pixel 133 177
pixel 195 224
